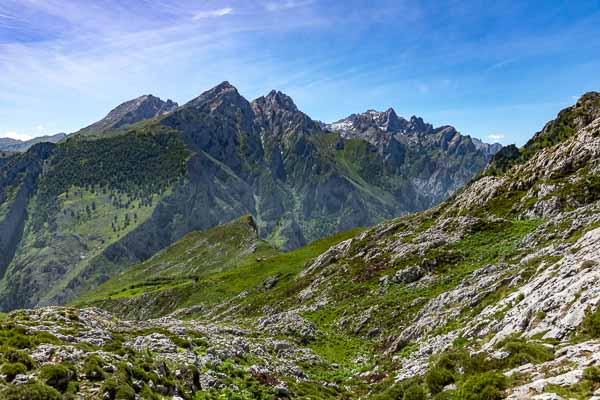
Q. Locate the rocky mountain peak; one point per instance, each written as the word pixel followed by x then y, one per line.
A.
pixel 143 107
pixel 130 112
pixel 417 125
pixel 387 121
pixel 223 88
pixel 222 93
pixel 568 123
pixel 277 99
pixel 277 114
pixel 489 148
pixel 390 122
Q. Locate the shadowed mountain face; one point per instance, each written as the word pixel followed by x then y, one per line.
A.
pixel 150 172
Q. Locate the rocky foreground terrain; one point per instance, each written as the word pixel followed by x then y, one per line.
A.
pixel 89 354
pixel 493 294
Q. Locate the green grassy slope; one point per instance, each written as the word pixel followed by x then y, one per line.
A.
pixel 203 268
pixel 195 256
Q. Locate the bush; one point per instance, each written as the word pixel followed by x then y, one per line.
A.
pixel 125 392
pixel 592 374
pixel 590 326
pixel 522 352
pixel 33 391
pixel 19 341
pixel 139 374
pixel 16 356
pixel 14 336
pixel 486 386
pixel 92 368
pixel 415 392
pixel 13 369
pixel 117 390
pixel 437 377
pixel 57 375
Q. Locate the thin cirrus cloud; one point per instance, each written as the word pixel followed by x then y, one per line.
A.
pixel 496 137
pixel 221 12
pixel 16 135
pixel 286 4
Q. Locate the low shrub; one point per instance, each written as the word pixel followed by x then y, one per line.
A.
pixel 57 375
pixel 437 378
pixel 117 390
pixel 30 391
pixel 414 392
pixel 592 374
pixel 12 369
pixel 590 326
pixel 17 356
pixel 486 386
pixel 92 368
pixel 522 352
pixel 125 392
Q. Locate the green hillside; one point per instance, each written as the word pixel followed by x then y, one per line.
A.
pixel 203 269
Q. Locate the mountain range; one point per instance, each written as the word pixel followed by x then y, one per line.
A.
pixel 490 294
pixel 76 213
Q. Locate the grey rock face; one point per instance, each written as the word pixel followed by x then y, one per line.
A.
pixel 408 275
pixel 444 156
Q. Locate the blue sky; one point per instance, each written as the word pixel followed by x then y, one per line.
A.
pixel 495 70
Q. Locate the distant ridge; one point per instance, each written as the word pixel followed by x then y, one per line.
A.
pixel 19 146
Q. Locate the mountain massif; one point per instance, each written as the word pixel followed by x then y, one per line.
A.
pixel 76 213
pixel 491 294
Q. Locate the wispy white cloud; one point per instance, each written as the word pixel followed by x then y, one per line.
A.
pixel 282 5
pixel 221 12
pixel 496 137
pixel 502 64
pixel 15 135
pixel 6 16
pixel 96 48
